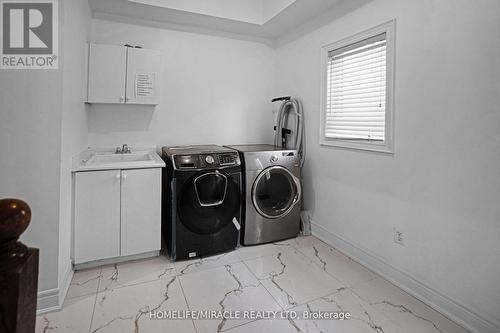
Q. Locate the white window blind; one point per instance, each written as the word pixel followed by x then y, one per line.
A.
pixel 356 91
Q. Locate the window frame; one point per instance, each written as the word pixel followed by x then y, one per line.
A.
pixel 386 146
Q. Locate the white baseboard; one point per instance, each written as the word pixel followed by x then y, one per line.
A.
pixel 65 282
pixel 48 301
pixel 436 300
pixel 52 300
pixel 116 260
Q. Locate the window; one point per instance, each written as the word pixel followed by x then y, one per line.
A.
pixel 357 91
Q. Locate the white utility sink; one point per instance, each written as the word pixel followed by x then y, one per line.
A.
pixel 98 159
pixel 105 160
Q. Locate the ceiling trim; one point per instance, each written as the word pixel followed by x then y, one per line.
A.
pixel 182 27
pixel 249 11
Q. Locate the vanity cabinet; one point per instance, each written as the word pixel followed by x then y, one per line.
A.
pixel 117 214
pixel 97 215
pixel 140 211
pixel 123 75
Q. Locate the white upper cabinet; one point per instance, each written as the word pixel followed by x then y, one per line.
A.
pixel 107 64
pixel 143 68
pixel 123 75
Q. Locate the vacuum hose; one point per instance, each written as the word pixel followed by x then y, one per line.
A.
pixel 290 106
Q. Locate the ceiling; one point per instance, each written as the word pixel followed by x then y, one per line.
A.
pixel 259 20
pixel 249 11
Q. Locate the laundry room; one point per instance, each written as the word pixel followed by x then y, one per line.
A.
pixel 249 165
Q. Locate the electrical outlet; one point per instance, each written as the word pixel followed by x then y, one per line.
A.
pixel 398 237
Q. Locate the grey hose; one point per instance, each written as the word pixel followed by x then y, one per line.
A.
pixel 291 106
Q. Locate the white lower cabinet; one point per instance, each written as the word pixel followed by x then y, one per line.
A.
pixel 141 211
pixel 117 214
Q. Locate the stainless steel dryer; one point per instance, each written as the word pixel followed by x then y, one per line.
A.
pixel 273 193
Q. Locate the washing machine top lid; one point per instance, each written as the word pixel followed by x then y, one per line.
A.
pixel 195 149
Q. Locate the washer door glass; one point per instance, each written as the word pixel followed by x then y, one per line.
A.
pixel 275 192
pixel 208 202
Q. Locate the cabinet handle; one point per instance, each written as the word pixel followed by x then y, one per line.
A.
pixel 127 98
pixel 122 99
pixel 118 176
pixel 124 176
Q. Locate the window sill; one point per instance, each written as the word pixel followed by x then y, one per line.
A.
pixel 378 147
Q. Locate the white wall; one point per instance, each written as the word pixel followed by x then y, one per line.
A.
pixel 441 187
pixel 214 90
pixel 30 142
pixel 74 128
pixel 43 123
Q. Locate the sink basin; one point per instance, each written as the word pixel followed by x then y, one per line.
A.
pixel 106 159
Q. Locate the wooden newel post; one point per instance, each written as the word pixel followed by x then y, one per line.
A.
pixel 18 270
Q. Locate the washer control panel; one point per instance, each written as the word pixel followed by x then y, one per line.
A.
pixel 206 161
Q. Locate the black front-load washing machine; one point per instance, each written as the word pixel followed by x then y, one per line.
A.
pixel 202 191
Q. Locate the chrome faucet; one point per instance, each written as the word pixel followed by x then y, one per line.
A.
pixel 123 150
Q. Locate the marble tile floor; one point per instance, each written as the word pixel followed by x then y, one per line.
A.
pixel 295 279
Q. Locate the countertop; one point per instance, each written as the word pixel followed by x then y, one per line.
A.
pixel 106 159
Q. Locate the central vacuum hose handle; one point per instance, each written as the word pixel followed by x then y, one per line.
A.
pixel 279 99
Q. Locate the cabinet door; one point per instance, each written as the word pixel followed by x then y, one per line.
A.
pixel 143 82
pixel 141 211
pixel 107 66
pixel 97 215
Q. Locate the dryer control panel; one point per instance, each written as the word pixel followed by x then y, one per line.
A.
pixel 260 160
pixel 206 161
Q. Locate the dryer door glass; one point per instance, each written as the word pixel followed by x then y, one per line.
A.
pixel 209 201
pixel 275 192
